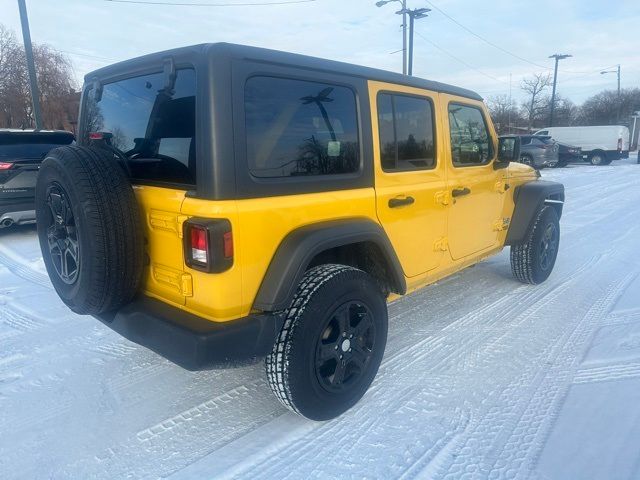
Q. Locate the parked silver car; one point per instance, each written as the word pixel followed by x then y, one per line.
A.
pixel 538 151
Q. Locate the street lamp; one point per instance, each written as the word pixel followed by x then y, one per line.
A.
pixel 614 71
pixel 619 103
pixel 558 57
pixel 415 14
pixel 404 30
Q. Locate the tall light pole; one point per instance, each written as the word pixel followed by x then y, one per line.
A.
pixel 415 14
pixel 619 102
pixel 404 30
pixel 31 67
pixel 614 71
pixel 558 57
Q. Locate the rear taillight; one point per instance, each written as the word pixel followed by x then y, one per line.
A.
pixel 208 244
pixel 199 245
pixel 5 165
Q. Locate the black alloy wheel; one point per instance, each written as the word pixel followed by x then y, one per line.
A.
pixel 548 246
pixel 62 237
pixel 345 346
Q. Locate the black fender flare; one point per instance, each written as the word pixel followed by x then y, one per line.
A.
pixel 300 246
pixel 529 199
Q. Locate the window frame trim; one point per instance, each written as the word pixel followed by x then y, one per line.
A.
pixel 429 99
pixel 493 156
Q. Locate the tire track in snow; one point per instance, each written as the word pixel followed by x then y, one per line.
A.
pixel 546 404
pixel 608 373
pixel 18 320
pixel 23 271
pixel 517 416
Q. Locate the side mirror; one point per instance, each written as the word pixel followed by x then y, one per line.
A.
pixel 508 151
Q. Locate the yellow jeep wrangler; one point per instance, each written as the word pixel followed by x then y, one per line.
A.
pixel 227 203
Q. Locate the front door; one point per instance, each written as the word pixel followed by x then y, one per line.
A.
pixel 410 175
pixel 477 189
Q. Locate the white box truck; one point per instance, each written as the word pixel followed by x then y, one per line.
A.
pixel 600 145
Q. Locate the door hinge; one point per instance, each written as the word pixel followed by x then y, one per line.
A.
pixel 441 245
pixel 442 197
pixel 502 224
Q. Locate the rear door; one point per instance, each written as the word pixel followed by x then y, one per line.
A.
pixel 410 178
pixel 152 125
pixel 477 189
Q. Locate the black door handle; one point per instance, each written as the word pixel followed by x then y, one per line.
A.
pixel 399 202
pixel 458 192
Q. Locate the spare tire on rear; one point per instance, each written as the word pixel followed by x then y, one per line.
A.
pixel 89 229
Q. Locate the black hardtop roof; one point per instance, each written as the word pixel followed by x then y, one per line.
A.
pixel 233 51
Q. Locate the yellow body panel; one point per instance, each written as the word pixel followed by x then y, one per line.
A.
pixel 264 222
pixel 433 237
pixel 160 208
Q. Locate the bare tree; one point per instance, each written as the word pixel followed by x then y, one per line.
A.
pixel 603 108
pixel 565 112
pixel 55 81
pixel 535 86
pixel 504 112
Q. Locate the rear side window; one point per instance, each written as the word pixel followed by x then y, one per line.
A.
pixel 470 141
pixel 406 132
pixel 300 128
pixel 152 127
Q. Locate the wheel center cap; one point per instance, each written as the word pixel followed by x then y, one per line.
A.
pixel 346 345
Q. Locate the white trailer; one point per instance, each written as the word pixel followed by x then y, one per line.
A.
pixel 600 144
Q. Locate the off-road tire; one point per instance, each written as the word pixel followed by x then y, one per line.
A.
pixel 526 256
pixel 291 366
pixel 107 226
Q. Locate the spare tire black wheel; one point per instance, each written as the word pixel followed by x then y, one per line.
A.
pixel 89 229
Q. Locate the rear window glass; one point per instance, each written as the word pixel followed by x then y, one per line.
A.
pixel 300 128
pixel 28 146
pixel 152 127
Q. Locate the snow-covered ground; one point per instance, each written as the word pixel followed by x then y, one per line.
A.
pixel 482 378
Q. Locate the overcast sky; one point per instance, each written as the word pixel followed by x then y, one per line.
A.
pixel 599 34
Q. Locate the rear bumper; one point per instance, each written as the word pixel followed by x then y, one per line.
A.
pixel 18 211
pixel 193 342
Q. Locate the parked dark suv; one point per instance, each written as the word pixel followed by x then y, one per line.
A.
pixel 21 152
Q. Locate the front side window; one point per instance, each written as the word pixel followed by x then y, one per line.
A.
pixel 149 125
pixel 300 128
pixel 470 139
pixel 406 132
